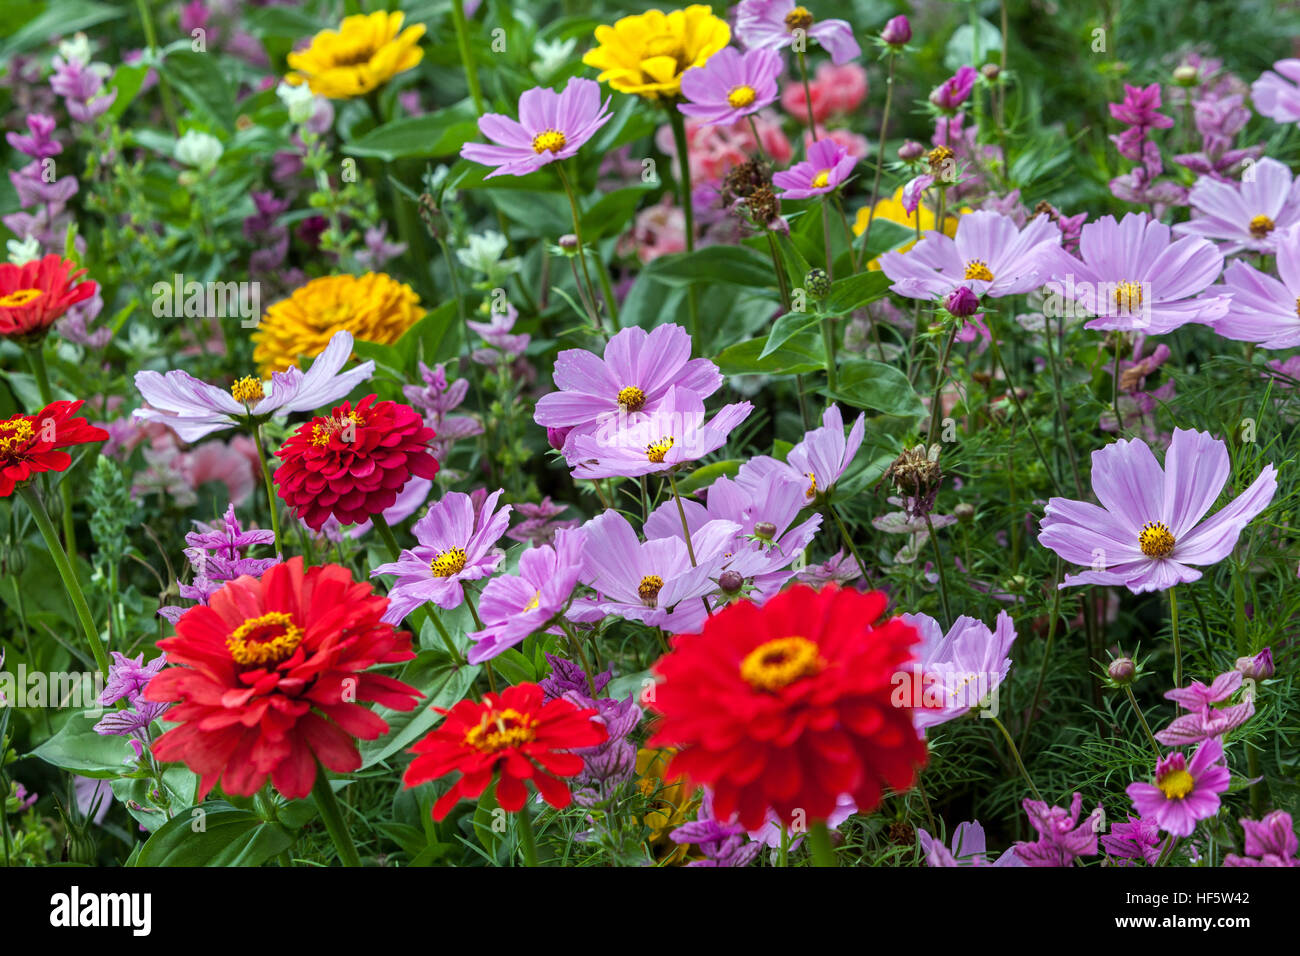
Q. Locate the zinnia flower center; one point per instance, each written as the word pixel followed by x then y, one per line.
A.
pixel 550 139
pixel 1176 784
pixel 822 179
pixel 14 434
pixel 741 96
pixel 448 563
pixel 19 297
pixel 324 430
pixel 978 269
pixel 631 398
pixel 1128 296
pixel 353 54
pixel 1261 226
pixel 1156 540
pixel 501 730
pixel 247 390
pixel 663 44
pixel 268 639
pixel 656 450
pixel 780 662
pixel 649 589
pixel 798 19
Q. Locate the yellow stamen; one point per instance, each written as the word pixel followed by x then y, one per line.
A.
pixel 780 662
pixel 811 493
pixel 448 563
pixel 1176 784
pixel 741 96
pixel 822 179
pixel 798 19
pixel 19 297
pixel 631 398
pixel 1156 540
pixel 501 730
pixel 533 602
pixel 268 639
pixel 549 140
pixel 1128 296
pixel 655 451
pixel 14 434
pixel 1261 226
pixel 649 589
pixel 247 390
pixel 978 269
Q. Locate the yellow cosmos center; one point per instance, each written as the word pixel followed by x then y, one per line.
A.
pixel 939 155
pixel 448 563
pixel 264 640
pixel 631 398
pixel 811 493
pixel 649 589
pixel 1297 305
pixel 798 19
pixel 19 297
pixel 656 450
pixel 1156 540
pixel 14 434
pixel 780 662
pixel 822 179
pixel 501 730
pixel 1261 226
pixel 741 96
pixel 1176 784
pixel 533 602
pixel 247 390
pixel 978 269
pixel 551 140
pixel 1128 296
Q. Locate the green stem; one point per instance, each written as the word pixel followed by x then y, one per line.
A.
pixel 848 231
pixel 678 123
pixel 1047 655
pixel 1015 398
pixel 1015 753
pixel 880 158
pixel 1142 719
pixel 940 376
pixel 582 255
pixel 844 533
pixel 466 54
pixel 807 96
pixel 270 489
pixel 1178 647
pixel 527 839
pixel 943 575
pixel 330 813
pixel 819 839
pixel 151 41
pixel 36 357
pixel 1114 387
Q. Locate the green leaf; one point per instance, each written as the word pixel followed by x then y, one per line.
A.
pixel 419 137
pixel 787 327
pixel 803 353
pixel 856 291
pixel 875 385
pixel 611 213
pixel 78 749
pixel 728 265
pixel 703 477
pixel 181 785
pixel 61 18
pixel 127 80
pixel 203 84
pixel 442 682
pixel 967 40
pixel 886 236
pixel 214 834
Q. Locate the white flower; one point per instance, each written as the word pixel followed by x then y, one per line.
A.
pixel 551 56
pixel 300 101
pixel 76 50
pixel 25 251
pixel 199 150
pixel 484 255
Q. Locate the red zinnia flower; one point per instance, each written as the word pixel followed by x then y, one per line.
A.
pixel 353 463
pixel 788 705
pixel 35 295
pixel 515 733
pixel 270 671
pixel 32 443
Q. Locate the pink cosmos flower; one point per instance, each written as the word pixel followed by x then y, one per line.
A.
pixel 772 24
pixel 1205 721
pixel 1264 308
pixel 731 86
pixel 827 166
pixel 551 126
pixel 1184 791
pixel 958 670
pixel 968 848
pixel 953 92
pixel 818 461
pixel 1148 530
pixel 1276 94
pixel 1251 214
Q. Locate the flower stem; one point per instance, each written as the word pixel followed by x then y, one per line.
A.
pixel 880 158
pixel 330 813
pixel 1178 647
pixel 527 839
pixel 686 530
pixel 819 839
pixel 466 54
pixel 270 490
pixel 1015 753
pixel 66 571
pixel 807 96
pixel 36 357
pixel 940 376
pixel 582 253
pixel 1145 726
pixel 844 533
pixel 1015 398
pixel 943 575
pixel 1047 654
pixel 678 123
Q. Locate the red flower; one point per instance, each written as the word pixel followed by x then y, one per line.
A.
pixel 270 670
pixel 35 295
pixel 788 705
pixel 32 443
pixel 515 733
pixel 352 464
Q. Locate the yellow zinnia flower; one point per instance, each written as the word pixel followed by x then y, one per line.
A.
pixel 647 54
pixel 373 307
pixel 672 803
pixel 367 51
pixel 892 210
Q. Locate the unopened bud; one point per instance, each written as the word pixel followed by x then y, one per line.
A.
pixel 569 243
pixel 1186 75
pixel 911 151
pixel 731 581
pixel 991 71
pixel 962 302
pixel 1259 667
pixel 818 283
pixel 964 512
pixel 1122 670
pixel 765 530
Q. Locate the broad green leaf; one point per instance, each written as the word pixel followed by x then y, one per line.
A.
pixel 856 291
pixel 419 137
pixel 78 749
pixel 202 84
pixel 214 834
pixel 874 385
pixel 787 327
pixel 729 265
pixel 443 684
pixel 703 477
pixel 801 354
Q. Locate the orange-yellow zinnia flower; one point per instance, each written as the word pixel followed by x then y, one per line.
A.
pixel 364 53
pixel 647 54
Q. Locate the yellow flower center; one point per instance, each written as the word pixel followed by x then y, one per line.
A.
pixel 1128 296
pixel 1176 784
pixel 501 730
pixel 656 450
pixel 822 179
pixel 264 640
pixel 780 662
pixel 741 96
pixel 631 398
pixel 324 430
pixel 1261 226
pixel 664 44
pixel 811 493
pixel 649 589
pixel 448 563
pixel 798 19
pixel 939 155
pixel 14 434
pixel 247 390
pixel 551 139
pixel 1297 305
pixel 533 602
pixel 19 297
pixel 978 269
pixel 1156 540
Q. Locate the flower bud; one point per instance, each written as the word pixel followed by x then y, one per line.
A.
pixel 962 302
pixel 991 71
pixel 1259 667
pixel 897 32
pixel 818 283
pixel 1122 670
pixel 765 530
pixel 964 512
pixel 730 581
pixel 569 243
pixel 1186 75
pixel 911 151
pixel 556 437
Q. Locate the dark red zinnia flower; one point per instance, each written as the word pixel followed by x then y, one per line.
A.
pixel 352 464
pixel 270 672
pixel 788 705
pixel 515 734
pixel 33 443
pixel 35 295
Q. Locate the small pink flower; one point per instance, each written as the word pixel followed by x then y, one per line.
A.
pixel 1184 791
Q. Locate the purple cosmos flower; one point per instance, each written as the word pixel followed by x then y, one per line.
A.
pixel 1276 94
pixel 1131 276
pixel 1062 837
pixel 957 671
pixel 840 569
pixel 516 605
pixel 1264 309
pixel 731 86
pixel 455 545
pixel 769 834
pixel 1148 528
pixel 1246 215
pixel 633 377
pixel 539 526
pixel 1184 791
pixel 988 256
pixel 819 460
pixel 773 24
pixel 827 166
pixel 1135 840
pixel 968 848
pixel 653 582
pixel 723 844
pixel 128 677
pixel 551 126
pixel 952 93
pixel 1269 842
pixel 674 434
pixel 1205 721
pixel 193 409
